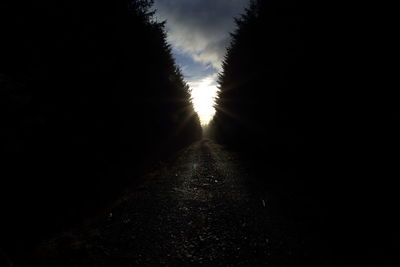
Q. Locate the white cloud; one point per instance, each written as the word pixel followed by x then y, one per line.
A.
pixel 200 28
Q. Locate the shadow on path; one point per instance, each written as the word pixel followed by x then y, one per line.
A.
pixel 197 211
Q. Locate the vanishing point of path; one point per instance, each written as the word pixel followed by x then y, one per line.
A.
pixel 196 212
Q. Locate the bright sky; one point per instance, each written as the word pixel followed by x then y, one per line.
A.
pixel 203 97
pixel 198 31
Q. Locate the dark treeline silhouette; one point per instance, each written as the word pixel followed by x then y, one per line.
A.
pixel 258 95
pixel 90 97
pixel 294 98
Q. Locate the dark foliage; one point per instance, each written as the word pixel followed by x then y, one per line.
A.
pixel 295 96
pixel 90 97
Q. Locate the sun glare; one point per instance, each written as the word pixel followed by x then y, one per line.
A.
pixel 203 96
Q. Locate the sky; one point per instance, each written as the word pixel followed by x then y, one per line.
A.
pixel 198 31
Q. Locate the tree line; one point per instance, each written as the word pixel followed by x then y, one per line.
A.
pixel 296 99
pixel 90 98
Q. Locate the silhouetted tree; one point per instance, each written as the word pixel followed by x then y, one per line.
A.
pixel 293 94
pixel 259 92
pixel 90 97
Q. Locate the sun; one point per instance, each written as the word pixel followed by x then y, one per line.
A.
pixel 203 94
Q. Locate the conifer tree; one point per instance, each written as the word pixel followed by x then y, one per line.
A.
pixel 90 98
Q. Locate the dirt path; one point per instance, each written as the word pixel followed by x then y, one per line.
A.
pixel 196 212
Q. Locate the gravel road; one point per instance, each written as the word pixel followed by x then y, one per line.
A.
pixel 197 210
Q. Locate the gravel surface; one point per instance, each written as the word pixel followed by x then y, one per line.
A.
pixel 195 211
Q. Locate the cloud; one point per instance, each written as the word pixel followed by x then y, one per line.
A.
pixel 192 70
pixel 200 28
